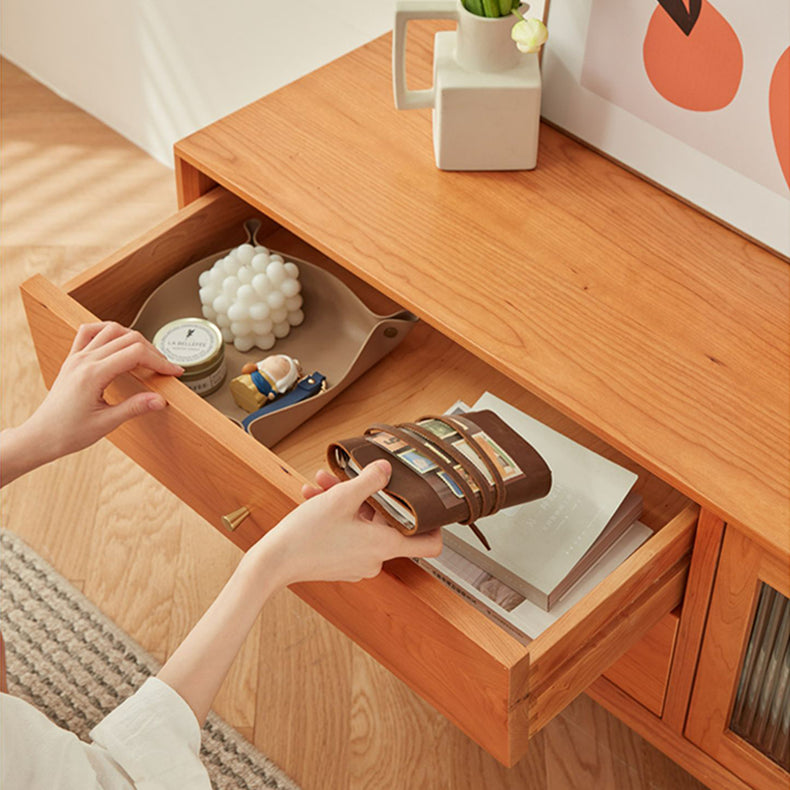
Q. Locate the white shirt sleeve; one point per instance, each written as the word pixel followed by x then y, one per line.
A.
pixel 150 742
pixel 155 738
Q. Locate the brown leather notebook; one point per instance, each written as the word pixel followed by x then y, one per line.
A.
pixel 446 469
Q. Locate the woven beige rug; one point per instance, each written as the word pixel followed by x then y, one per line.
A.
pixel 66 658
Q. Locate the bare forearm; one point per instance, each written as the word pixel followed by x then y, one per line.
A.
pixel 22 449
pixel 324 539
pixel 199 665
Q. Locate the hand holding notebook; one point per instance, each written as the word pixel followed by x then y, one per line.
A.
pixel 446 469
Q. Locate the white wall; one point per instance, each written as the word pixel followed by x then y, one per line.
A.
pixel 156 70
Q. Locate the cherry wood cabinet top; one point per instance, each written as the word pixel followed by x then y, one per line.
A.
pixel 649 323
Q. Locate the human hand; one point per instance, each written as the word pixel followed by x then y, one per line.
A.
pixel 324 481
pixel 74 413
pixel 336 536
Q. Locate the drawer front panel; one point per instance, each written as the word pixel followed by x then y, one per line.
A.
pixel 582 644
pixel 461 666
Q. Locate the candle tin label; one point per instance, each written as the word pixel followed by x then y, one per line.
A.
pixel 207 384
pixel 196 344
pixel 189 342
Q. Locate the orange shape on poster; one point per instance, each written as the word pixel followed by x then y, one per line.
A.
pixel 699 71
pixel 779 109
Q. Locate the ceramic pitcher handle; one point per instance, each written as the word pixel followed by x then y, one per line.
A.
pixel 404 11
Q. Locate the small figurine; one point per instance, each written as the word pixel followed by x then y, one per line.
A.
pixel 264 381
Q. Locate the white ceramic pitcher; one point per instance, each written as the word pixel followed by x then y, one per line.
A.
pixel 485 94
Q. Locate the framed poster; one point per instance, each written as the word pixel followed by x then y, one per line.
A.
pixel 692 94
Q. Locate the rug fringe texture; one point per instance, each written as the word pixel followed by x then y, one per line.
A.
pixel 69 660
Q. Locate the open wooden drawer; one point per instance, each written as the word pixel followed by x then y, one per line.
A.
pixel 497 690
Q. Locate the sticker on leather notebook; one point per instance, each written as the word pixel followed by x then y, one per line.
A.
pixel 417 462
pixel 507 467
pixel 389 442
pixel 438 428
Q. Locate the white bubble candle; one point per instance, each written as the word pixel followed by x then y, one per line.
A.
pixel 253 296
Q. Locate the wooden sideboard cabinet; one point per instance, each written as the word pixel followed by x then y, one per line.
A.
pixel 578 292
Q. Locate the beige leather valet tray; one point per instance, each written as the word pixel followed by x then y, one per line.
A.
pixel 339 337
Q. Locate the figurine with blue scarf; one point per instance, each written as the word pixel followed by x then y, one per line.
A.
pixel 264 381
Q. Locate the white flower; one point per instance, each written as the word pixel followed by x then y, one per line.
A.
pixel 529 34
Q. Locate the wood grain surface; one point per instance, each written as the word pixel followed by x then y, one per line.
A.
pixel 647 322
pixel 304 692
pixel 701 764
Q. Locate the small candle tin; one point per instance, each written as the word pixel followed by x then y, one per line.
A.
pixel 196 344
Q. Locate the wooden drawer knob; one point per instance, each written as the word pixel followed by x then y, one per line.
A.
pixel 232 520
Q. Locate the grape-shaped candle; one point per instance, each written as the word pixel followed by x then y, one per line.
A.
pixel 253 296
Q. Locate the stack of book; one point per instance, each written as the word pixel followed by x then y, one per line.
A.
pixel 546 554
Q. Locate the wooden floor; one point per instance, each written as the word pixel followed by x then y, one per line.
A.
pixel 73 191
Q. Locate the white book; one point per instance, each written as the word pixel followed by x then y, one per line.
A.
pixel 520 617
pixel 542 542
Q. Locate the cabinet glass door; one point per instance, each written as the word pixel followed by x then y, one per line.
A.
pixel 740 708
pixel 761 713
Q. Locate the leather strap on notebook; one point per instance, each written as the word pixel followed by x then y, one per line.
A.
pixel 492 497
pixel 499 483
pixel 486 489
pixel 471 500
pixel 476 509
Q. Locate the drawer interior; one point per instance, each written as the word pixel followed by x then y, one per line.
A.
pixel 425 374
pixel 503 691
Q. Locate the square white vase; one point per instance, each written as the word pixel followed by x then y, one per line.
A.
pixel 484 120
pixel 485 95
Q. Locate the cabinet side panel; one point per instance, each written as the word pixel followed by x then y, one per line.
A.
pixel 191 183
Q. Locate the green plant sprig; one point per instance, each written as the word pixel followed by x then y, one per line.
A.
pixel 491 8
